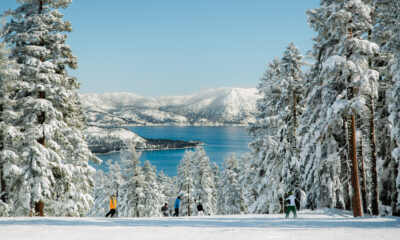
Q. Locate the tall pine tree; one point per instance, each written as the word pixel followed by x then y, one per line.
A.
pixel 341 85
pixel 45 153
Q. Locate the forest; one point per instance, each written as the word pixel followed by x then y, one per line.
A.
pixel 327 126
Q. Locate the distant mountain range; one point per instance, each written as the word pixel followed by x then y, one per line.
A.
pixel 215 107
pixel 108 113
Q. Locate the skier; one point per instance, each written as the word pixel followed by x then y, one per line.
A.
pixel 164 210
pixel 200 209
pixel 291 207
pixel 176 206
pixel 113 206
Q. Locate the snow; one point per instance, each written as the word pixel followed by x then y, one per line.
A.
pixel 223 106
pixel 333 61
pixel 322 224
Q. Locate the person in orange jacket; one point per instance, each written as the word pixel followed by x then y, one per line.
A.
pixel 113 206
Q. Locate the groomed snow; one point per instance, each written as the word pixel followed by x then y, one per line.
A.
pixel 310 225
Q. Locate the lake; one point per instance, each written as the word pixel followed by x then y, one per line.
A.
pixel 220 142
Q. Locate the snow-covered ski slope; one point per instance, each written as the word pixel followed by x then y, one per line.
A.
pixel 310 225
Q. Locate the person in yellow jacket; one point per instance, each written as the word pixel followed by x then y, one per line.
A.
pixel 113 206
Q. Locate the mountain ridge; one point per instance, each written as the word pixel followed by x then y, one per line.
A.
pixel 213 107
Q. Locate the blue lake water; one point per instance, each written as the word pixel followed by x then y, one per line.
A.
pixel 220 142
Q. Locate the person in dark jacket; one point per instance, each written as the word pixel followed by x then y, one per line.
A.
pixel 200 210
pixel 164 210
pixel 177 205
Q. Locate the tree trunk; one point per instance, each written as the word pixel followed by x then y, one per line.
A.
pixel 1 120
pixel 364 179
pixel 2 180
pixel 40 6
pixel 356 200
pixel 395 209
pixel 296 171
pixel 2 185
pixel 42 118
pixel 375 193
pixel 188 200
pixel 294 122
pixel 345 176
pixel 361 161
pixel 39 206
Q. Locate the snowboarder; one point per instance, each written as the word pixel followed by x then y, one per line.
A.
pixel 177 205
pixel 113 206
pixel 291 207
pixel 200 209
pixel 164 210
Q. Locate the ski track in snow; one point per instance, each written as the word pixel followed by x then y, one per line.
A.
pixel 321 225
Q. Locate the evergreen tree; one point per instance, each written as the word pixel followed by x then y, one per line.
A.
pixel 100 206
pixel 167 188
pixel 217 182
pixel 204 181
pixel 391 19
pixel 231 198
pixel 290 107
pixel 44 150
pixel 185 183
pixel 342 82
pixel 263 189
pixel 107 184
pixel 133 198
pixel 6 74
pixel 152 194
pixel 275 151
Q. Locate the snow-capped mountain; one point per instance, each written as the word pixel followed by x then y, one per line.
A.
pixel 224 106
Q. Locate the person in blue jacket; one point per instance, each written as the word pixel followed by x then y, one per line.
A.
pixel 176 206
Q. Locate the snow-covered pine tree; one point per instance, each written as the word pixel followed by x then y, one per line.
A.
pixel 385 164
pixel 132 192
pixel 100 207
pixel 263 189
pixel 289 109
pixel 137 189
pixel 385 33
pixel 245 180
pixel 167 188
pixel 7 73
pixel 107 184
pixel 203 177
pixel 185 183
pixel 152 194
pixel 46 157
pixel 231 198
pixel 342 84
pixel 217 182
pixel 391 18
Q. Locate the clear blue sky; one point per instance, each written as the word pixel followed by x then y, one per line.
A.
pixel 177 47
